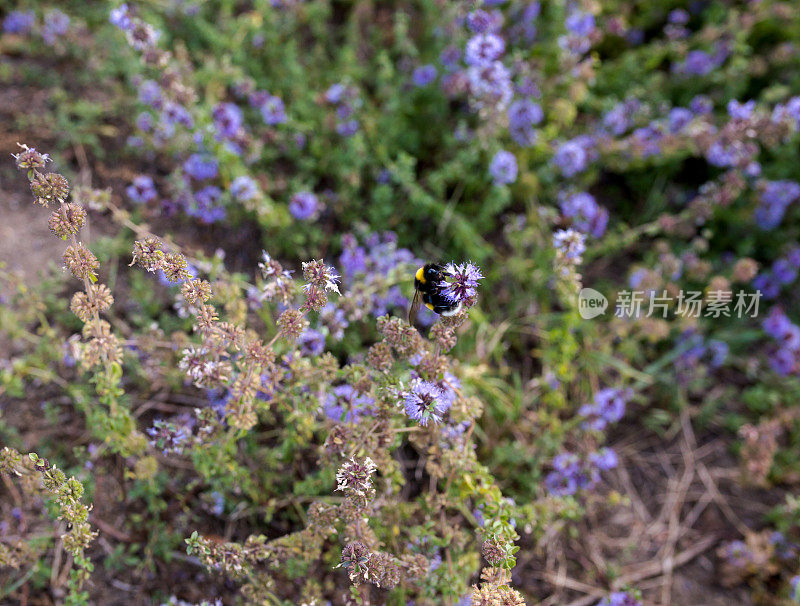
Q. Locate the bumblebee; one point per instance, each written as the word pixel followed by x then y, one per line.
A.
pixel 428 287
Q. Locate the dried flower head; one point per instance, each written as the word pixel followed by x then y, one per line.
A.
pixel 96 299
pixel 318 274
pixel 67 220
pixel 81 262
pixel 292 324
pixel 148 254
pixel 175 267
pixel 29 158
pixel 49 187
pixel 196 290
pixel 355 476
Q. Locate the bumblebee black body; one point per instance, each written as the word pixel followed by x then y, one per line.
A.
pixel 428 289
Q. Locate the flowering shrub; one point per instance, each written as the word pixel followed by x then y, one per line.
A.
pixel 610 188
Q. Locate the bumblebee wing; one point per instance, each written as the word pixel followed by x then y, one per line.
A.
pixel 412 311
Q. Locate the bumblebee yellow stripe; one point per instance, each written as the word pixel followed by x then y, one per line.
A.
pixel 420 275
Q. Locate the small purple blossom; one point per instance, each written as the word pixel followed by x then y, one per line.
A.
pixel 424 403
pixel 228 119
pixel 570 243
pixel 273 111
pixel 142 189
pixel 345 404
pixel 56 24
pixel 701 105
pixel 120 17
pixel 619 598
pixel 480 21
pixel 503 168
pixel 304 206
pixel 424 75
pixel 461 283
pixel 490 85
pixel 571 158
pixel 335 93
pixel 201 167
pixel 679 118
pixel 311 342
pixel 741 111
pixel 586 214
pixel 484 49
pixel 523 115
pixel 244 188
pixel 579 23
pixel 19 22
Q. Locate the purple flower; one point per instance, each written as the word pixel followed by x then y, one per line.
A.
pixel 205 205
pixel 335 93
pixel 679 118
pixel 311 342
pixel 144 122
pixel 776 196
pixel 484 49
pixel 794 584
pixel 168 437
pixel 345 404
pixel 201 167
pixel 304 205
pixel 19 22
pixel 347 128
pixel 503 168
pixel 701 105
pixel 142 189
pixel 120 17
pixel 450 57
pixel 244 188
pixel 753 170
pixel 738 553
pixel 571 158
pixel 273 111
pixel 784 272
pixel 698 63
pixel 586 214
pixel 647 140
pixel 783 362
pixel 678 16
pixel 793 257
pixel 719 352
pixel 424 75
pixel 461 283
pixel 604 459
pixel 484 22
pixel 424 403
pixel 150 93
pixel 523 115
pixel 570 243
pixel 608 407
pixel 617 120
pixel 560 484
pixel 334 319
pixel 579 23
pixel 619 598
pixel 490 85
pixel 741 111
pixel 56 24
pixel 175 113
pixel 228 119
